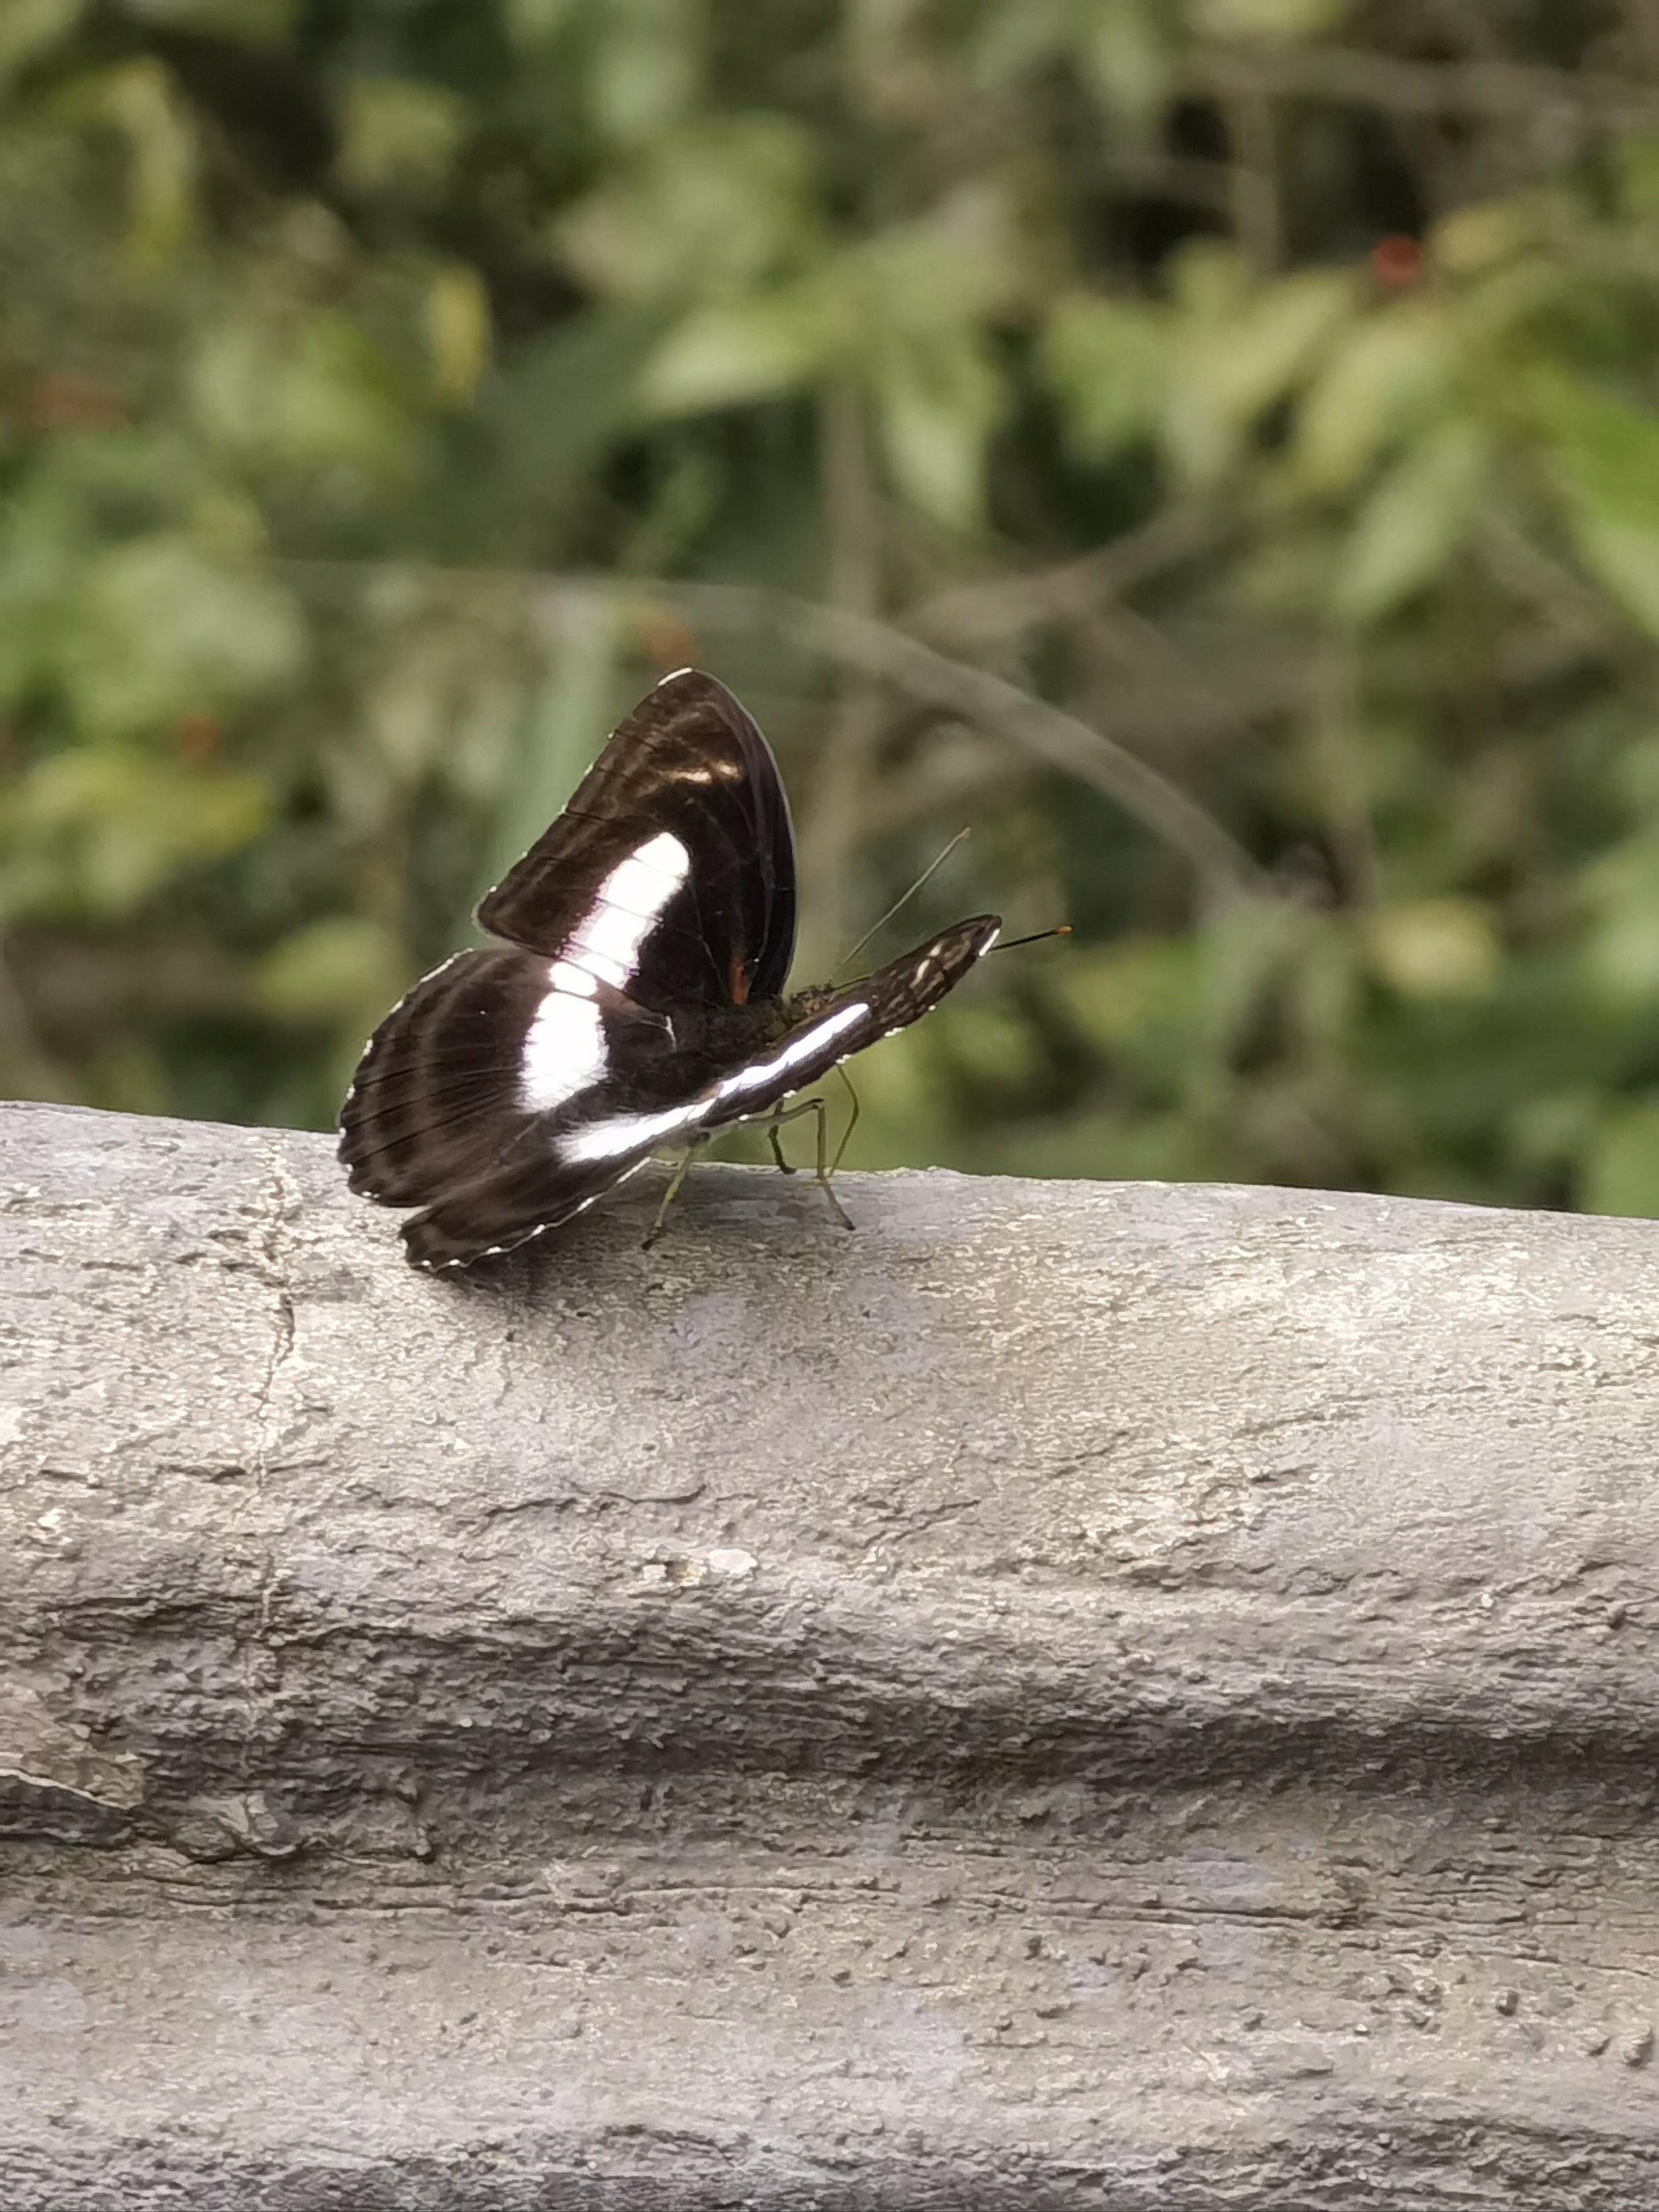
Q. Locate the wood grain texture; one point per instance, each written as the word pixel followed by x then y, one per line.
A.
pixel 1080 1695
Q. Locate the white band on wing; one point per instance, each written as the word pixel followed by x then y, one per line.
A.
pixel 628 1133
pixel 799 1048
pixel 564 1046
pixel 625 906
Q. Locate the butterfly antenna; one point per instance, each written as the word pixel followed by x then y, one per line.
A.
pixel 903 900
pixel 1061 929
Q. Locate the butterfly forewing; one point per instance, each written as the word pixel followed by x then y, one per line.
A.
pixel 688 783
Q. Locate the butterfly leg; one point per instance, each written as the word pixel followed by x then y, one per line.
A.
pixel 826 1169
pixel 852 1121
pixel 790 1113
pixel 671 1193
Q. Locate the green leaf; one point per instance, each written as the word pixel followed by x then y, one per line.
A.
pixel 716 209
pixel 400 131
pixel 1554 1128
pixel 1486 234
pixel 963 263
pixel 1605 449
pixel 1106 361
pixel 1210 282
pixel 558 405
pixel 1605 453
pixel 156 630
pixel 1621 895
pixel 535 23
pixel 645 65
pixel 1412 524
pixel 29 27
pixel 1283 20
pixel 1142 1002
pixel 457 330
pixel 1261 353
pixel 1625 558
pixel 141 100
pixel 937 406
pixel 342 406
pixel 1445 948
pixel 1129 54
pixel 1235 350
pixel 97 832
pixel 312 393
pixel 345 968
pixel 989 1042
pixel 901 311
pixel 1004 44
pixel 751 349
pixel 1247 952
pixel 1380 378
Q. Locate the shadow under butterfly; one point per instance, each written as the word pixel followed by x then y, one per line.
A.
pixel 636 999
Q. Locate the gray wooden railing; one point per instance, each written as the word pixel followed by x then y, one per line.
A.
pixel 1078 1695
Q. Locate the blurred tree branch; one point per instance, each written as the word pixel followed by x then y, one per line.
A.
pixel 1043 731
pixel 1502 90
pixel 881 651
pixel 1000 607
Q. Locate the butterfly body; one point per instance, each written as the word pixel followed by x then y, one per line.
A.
pixel 636 1001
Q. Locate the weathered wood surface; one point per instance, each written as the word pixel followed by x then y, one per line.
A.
pixel 1078 1695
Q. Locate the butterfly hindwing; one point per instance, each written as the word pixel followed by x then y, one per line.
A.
pixel 437 1089
pixel 464 1088
pixel 527 1195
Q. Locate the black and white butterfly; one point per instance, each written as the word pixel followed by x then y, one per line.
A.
pixel 636 999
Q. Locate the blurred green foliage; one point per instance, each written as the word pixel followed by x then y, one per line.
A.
pixel 1210 445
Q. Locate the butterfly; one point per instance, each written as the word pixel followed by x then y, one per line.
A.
pixel 635 999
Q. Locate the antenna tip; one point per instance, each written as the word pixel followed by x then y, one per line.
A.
pixel 1061 929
